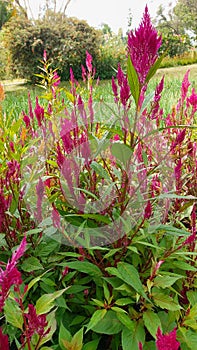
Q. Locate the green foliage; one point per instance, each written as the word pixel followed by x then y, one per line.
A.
pixel 99 273
pixel 64 39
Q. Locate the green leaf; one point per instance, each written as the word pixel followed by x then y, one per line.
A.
pixel 110 324
pixel 151 322
pixel 183 266
pixel 92 345
pixel 77 340
pixel 133 81
pixel 147 100
pixel 187 337
pixel 106 291
pixel 13 313
pixel 97 167
pixel 64 336
pixel 192 297
pixel 46 302
pixel 165 302
pixel 130 275
pixel 131 339
pixel 31 264
pixel 121 152
pixel 165 281
pixel 124 301
pixel 96 317
pixel 154 68
pixel 126 321
pixel 85 267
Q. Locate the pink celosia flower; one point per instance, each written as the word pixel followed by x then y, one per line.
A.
pixel 115 90
pixel 11 276
pixel 157 98
pixel 185 86
pixel 39 112
pixel 148 210
pixel 140 346
pixel 167 341
pixel 83 73
pixel 45 56
pixel 89 62
pixel 143 46
pixel 56 79
pixel 36 323
pixel 55 218
pixel 192 100
pixel 4 344
pixel 120 75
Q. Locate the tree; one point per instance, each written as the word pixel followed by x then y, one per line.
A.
pixel 186 11
pixel 64 39
pixel 174 36
pixel 5 13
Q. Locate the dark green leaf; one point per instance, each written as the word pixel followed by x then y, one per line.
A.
pixel 133 81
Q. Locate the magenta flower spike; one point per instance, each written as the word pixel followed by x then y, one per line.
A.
pixel 89 62
pixel 167 341
pixel 4 344
pixel 11 276
pixel 56 79
pixel 143 46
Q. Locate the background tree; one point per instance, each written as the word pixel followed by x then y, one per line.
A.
pixel 64 39
pixel 186 11
pixel 174 35
pixel 5 12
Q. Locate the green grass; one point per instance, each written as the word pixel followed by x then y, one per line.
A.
pixel 16 95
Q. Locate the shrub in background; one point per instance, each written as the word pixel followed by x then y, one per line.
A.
pixel 65 40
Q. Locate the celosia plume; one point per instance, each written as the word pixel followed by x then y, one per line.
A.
pixel 143 46
pixel 167 341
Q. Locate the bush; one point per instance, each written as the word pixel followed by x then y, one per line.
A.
pixel 65 40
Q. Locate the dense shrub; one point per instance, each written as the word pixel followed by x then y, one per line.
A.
pixel 65 40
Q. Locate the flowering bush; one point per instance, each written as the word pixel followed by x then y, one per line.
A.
pixel 105 196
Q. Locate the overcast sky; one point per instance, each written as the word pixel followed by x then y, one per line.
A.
pixel 113 12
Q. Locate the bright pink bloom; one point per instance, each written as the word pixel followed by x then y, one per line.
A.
pixel 143 46
pixel 140 346
pixel 83 73
pixel 179 139
pixel 124 92
pixel 4 344
pixel 39 112
pixel 56 79
pixel 192 100
pixel 11 276
pixel 115 90
pixel 120 75
pixel 185 86
pixel 36 323
pixel 45 56
pixel 89 62
pixel 26 119
pixel 167 341
pixel 55 218
pixel 148 210
pixel 157 98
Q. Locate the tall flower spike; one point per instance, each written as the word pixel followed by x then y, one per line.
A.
pixel 143 46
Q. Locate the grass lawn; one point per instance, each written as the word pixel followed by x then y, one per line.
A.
pixel 16 91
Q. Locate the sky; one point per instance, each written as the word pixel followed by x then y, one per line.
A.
pixel 113 12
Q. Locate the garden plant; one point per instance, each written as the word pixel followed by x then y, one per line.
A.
pixel 98 212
